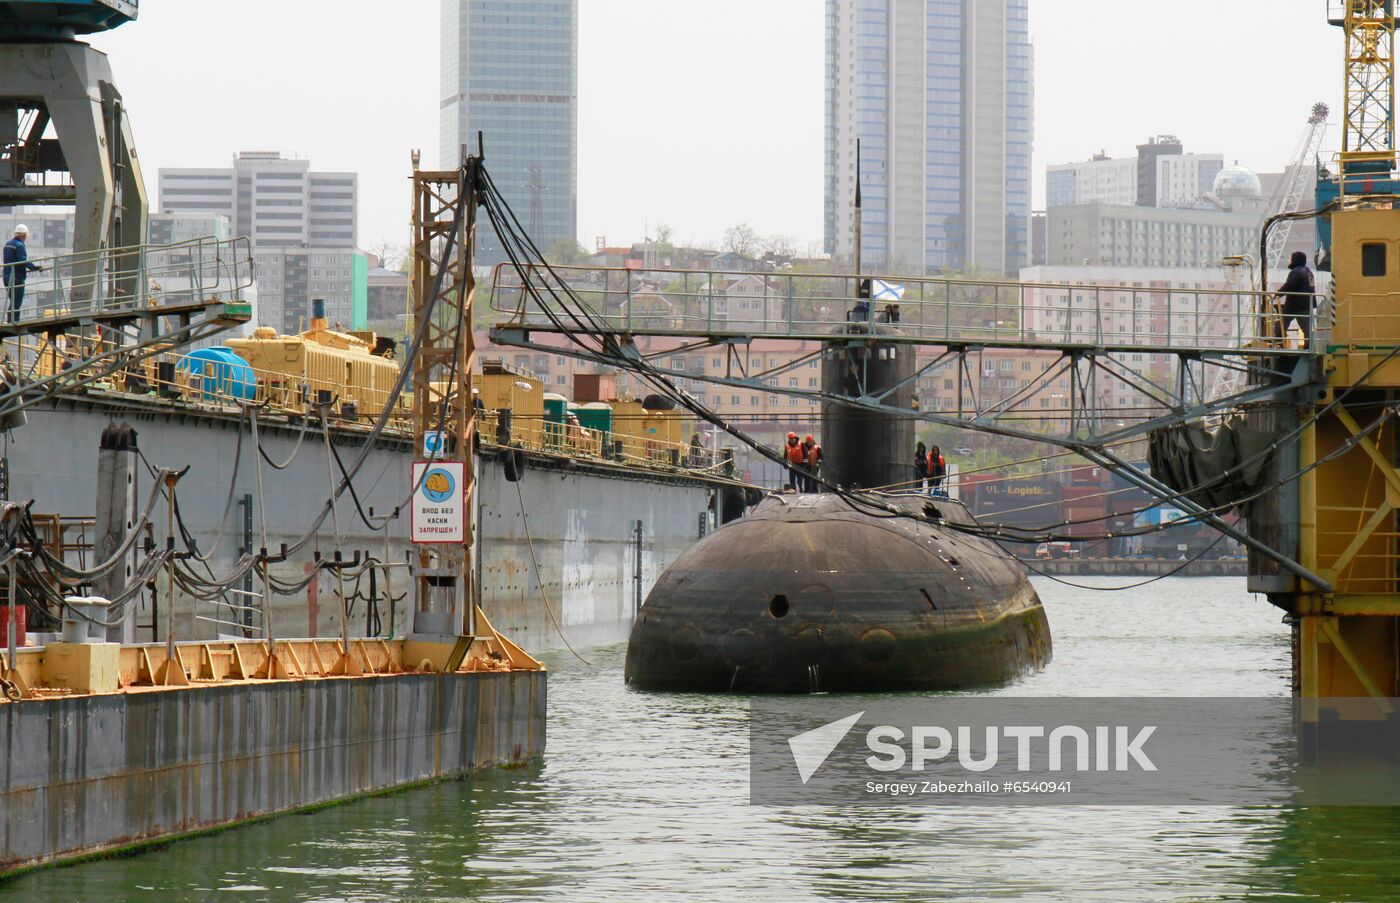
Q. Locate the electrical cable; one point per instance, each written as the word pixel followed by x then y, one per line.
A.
pixel 613 353
pixel 539 577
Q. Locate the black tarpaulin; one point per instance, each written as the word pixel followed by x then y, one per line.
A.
pixel 1214 470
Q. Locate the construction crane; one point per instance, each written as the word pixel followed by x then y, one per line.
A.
pixel 1300 175
pixel 1367 160
pixel 1369 120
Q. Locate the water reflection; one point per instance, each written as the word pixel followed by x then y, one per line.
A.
pixel 644 796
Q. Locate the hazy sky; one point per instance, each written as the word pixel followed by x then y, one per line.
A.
pixel 696 114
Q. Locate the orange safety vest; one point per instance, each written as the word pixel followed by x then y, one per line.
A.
pixel 795 454
pixel 936 464
pixel 814 456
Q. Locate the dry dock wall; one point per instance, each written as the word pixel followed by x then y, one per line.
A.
pixel 86 774
pixel 581 518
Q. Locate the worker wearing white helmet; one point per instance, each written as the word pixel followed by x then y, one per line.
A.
pixel 16 270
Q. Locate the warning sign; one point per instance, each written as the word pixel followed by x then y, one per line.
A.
pixel 439 513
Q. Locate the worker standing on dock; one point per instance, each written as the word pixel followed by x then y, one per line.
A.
pixel 921 467
pixel 17 269
pixel 937 471
pixel 812 458
pixel 796 459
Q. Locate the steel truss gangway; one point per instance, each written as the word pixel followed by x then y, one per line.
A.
pixel 1163 345
pixel 1160 345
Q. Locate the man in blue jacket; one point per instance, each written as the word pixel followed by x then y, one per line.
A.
pixel 17 269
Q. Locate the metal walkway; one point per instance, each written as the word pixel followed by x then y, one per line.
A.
pixel 1110 363
pixel 735 307
pixel 174 294
pixel 150 284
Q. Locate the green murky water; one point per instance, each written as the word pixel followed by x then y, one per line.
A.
pixel 644 797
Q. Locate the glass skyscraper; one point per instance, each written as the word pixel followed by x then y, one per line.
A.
pixel 939 94
pixel 510 71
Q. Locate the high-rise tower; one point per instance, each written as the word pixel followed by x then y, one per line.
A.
pixel 510 71
pixel 939 92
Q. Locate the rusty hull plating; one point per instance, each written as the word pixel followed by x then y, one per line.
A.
pixel 807 594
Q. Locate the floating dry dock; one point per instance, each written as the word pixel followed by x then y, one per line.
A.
pixel 98 757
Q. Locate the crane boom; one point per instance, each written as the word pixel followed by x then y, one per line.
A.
pixel 1297 179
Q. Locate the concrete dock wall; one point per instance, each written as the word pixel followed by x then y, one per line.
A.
pixel 581 518
pixel 85 774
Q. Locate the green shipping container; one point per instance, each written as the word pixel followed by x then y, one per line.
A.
pixel 555 407
pixel 595 416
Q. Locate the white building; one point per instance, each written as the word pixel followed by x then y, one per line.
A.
pixel 1183 180
pixel 289 279
pixel 1118 235
pixel 275 201
pixel 750 303
pixel 1102 180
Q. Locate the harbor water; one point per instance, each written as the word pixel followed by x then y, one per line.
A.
pixel 645 797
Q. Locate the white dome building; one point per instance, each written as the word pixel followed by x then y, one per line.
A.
pixel 1236 182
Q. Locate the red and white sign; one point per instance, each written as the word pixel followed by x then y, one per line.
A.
pixel 439 511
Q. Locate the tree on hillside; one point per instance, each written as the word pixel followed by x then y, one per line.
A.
pixel 566 251
pixel 780 246
pixel 391 256
pixel 741 240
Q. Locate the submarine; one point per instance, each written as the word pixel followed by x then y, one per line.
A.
pixel 819 593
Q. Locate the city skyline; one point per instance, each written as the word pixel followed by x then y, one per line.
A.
pixel 936 95
pixel 667 133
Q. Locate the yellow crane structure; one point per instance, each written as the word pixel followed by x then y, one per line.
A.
pixel 1369 26
pixel 1347 634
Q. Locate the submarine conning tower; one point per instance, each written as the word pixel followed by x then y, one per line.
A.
pixel 816 593
pixel 867 448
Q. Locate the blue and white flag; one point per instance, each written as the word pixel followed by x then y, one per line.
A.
pixel 880 290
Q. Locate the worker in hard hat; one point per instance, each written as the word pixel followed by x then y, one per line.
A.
pixel 796 460
pixel 812 459
pixel 16 270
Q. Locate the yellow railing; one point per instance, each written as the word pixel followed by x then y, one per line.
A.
pixel 203 384
pixel 618 446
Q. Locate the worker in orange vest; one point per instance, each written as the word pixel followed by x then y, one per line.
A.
pixel 812 458
pixel 937 471
pixel 796 459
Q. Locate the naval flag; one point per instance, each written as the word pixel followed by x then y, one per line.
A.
pixel 880 290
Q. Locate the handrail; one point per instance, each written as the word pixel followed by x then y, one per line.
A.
pixel 204 384
pixel 929 309
pixel 138 277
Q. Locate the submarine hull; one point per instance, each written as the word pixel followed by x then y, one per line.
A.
pixel 807 594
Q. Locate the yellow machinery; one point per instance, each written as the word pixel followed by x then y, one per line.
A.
pixel 501 387
pixel 294 371
pixel 649 436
